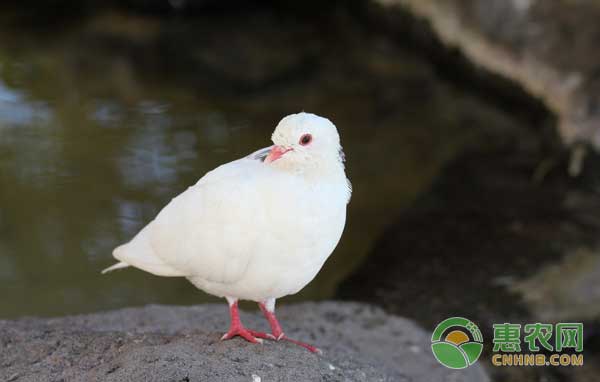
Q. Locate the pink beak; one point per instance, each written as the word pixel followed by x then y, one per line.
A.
pixel 276 153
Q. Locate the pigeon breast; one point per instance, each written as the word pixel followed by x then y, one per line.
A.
pixel 250 231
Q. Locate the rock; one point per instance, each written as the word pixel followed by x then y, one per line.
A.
pixel 542 45
pixel 168 343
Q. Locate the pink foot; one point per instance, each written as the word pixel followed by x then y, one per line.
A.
pixel 244 333
pixel 266 336
pixel 278 334
pixel 308 347
pixel 237 329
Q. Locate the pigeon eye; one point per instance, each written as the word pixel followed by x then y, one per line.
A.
pixel 305 139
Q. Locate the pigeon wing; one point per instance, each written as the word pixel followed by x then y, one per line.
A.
pixel 210 230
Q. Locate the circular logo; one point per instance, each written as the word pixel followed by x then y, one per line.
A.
pixel 456 343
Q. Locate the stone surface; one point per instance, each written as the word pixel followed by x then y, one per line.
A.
pixel 545 46
pixel 167 343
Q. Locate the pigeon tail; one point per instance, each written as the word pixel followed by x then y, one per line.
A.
pixel 115 267
pixel 138 253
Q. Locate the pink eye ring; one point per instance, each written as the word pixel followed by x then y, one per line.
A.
pixel 305 139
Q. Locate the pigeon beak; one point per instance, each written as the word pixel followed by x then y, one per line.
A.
pixel 276 153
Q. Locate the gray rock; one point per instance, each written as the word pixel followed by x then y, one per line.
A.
pixel 544 46
pixel 165 343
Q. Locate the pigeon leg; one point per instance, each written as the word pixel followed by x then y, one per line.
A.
pixel 237 328
pixel 268 309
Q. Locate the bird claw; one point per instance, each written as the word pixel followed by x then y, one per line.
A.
pixel 256 338
pixel 244 333
pixel 308 347
pixel 237 329
pixel 281 336
pixel 267 336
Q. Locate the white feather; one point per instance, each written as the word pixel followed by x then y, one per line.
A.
pixel 249 229
pixel 114 267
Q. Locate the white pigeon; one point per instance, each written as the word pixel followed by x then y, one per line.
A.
pixel 258 228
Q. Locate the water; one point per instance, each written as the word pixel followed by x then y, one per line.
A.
pixel 107 120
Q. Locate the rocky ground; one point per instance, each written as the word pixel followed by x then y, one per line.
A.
pixel 167 343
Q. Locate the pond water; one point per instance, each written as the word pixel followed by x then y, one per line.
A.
pixel 104 120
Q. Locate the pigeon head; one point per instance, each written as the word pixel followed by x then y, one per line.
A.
pixel 305 141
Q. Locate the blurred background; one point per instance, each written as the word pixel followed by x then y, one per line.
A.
pixel 470 130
